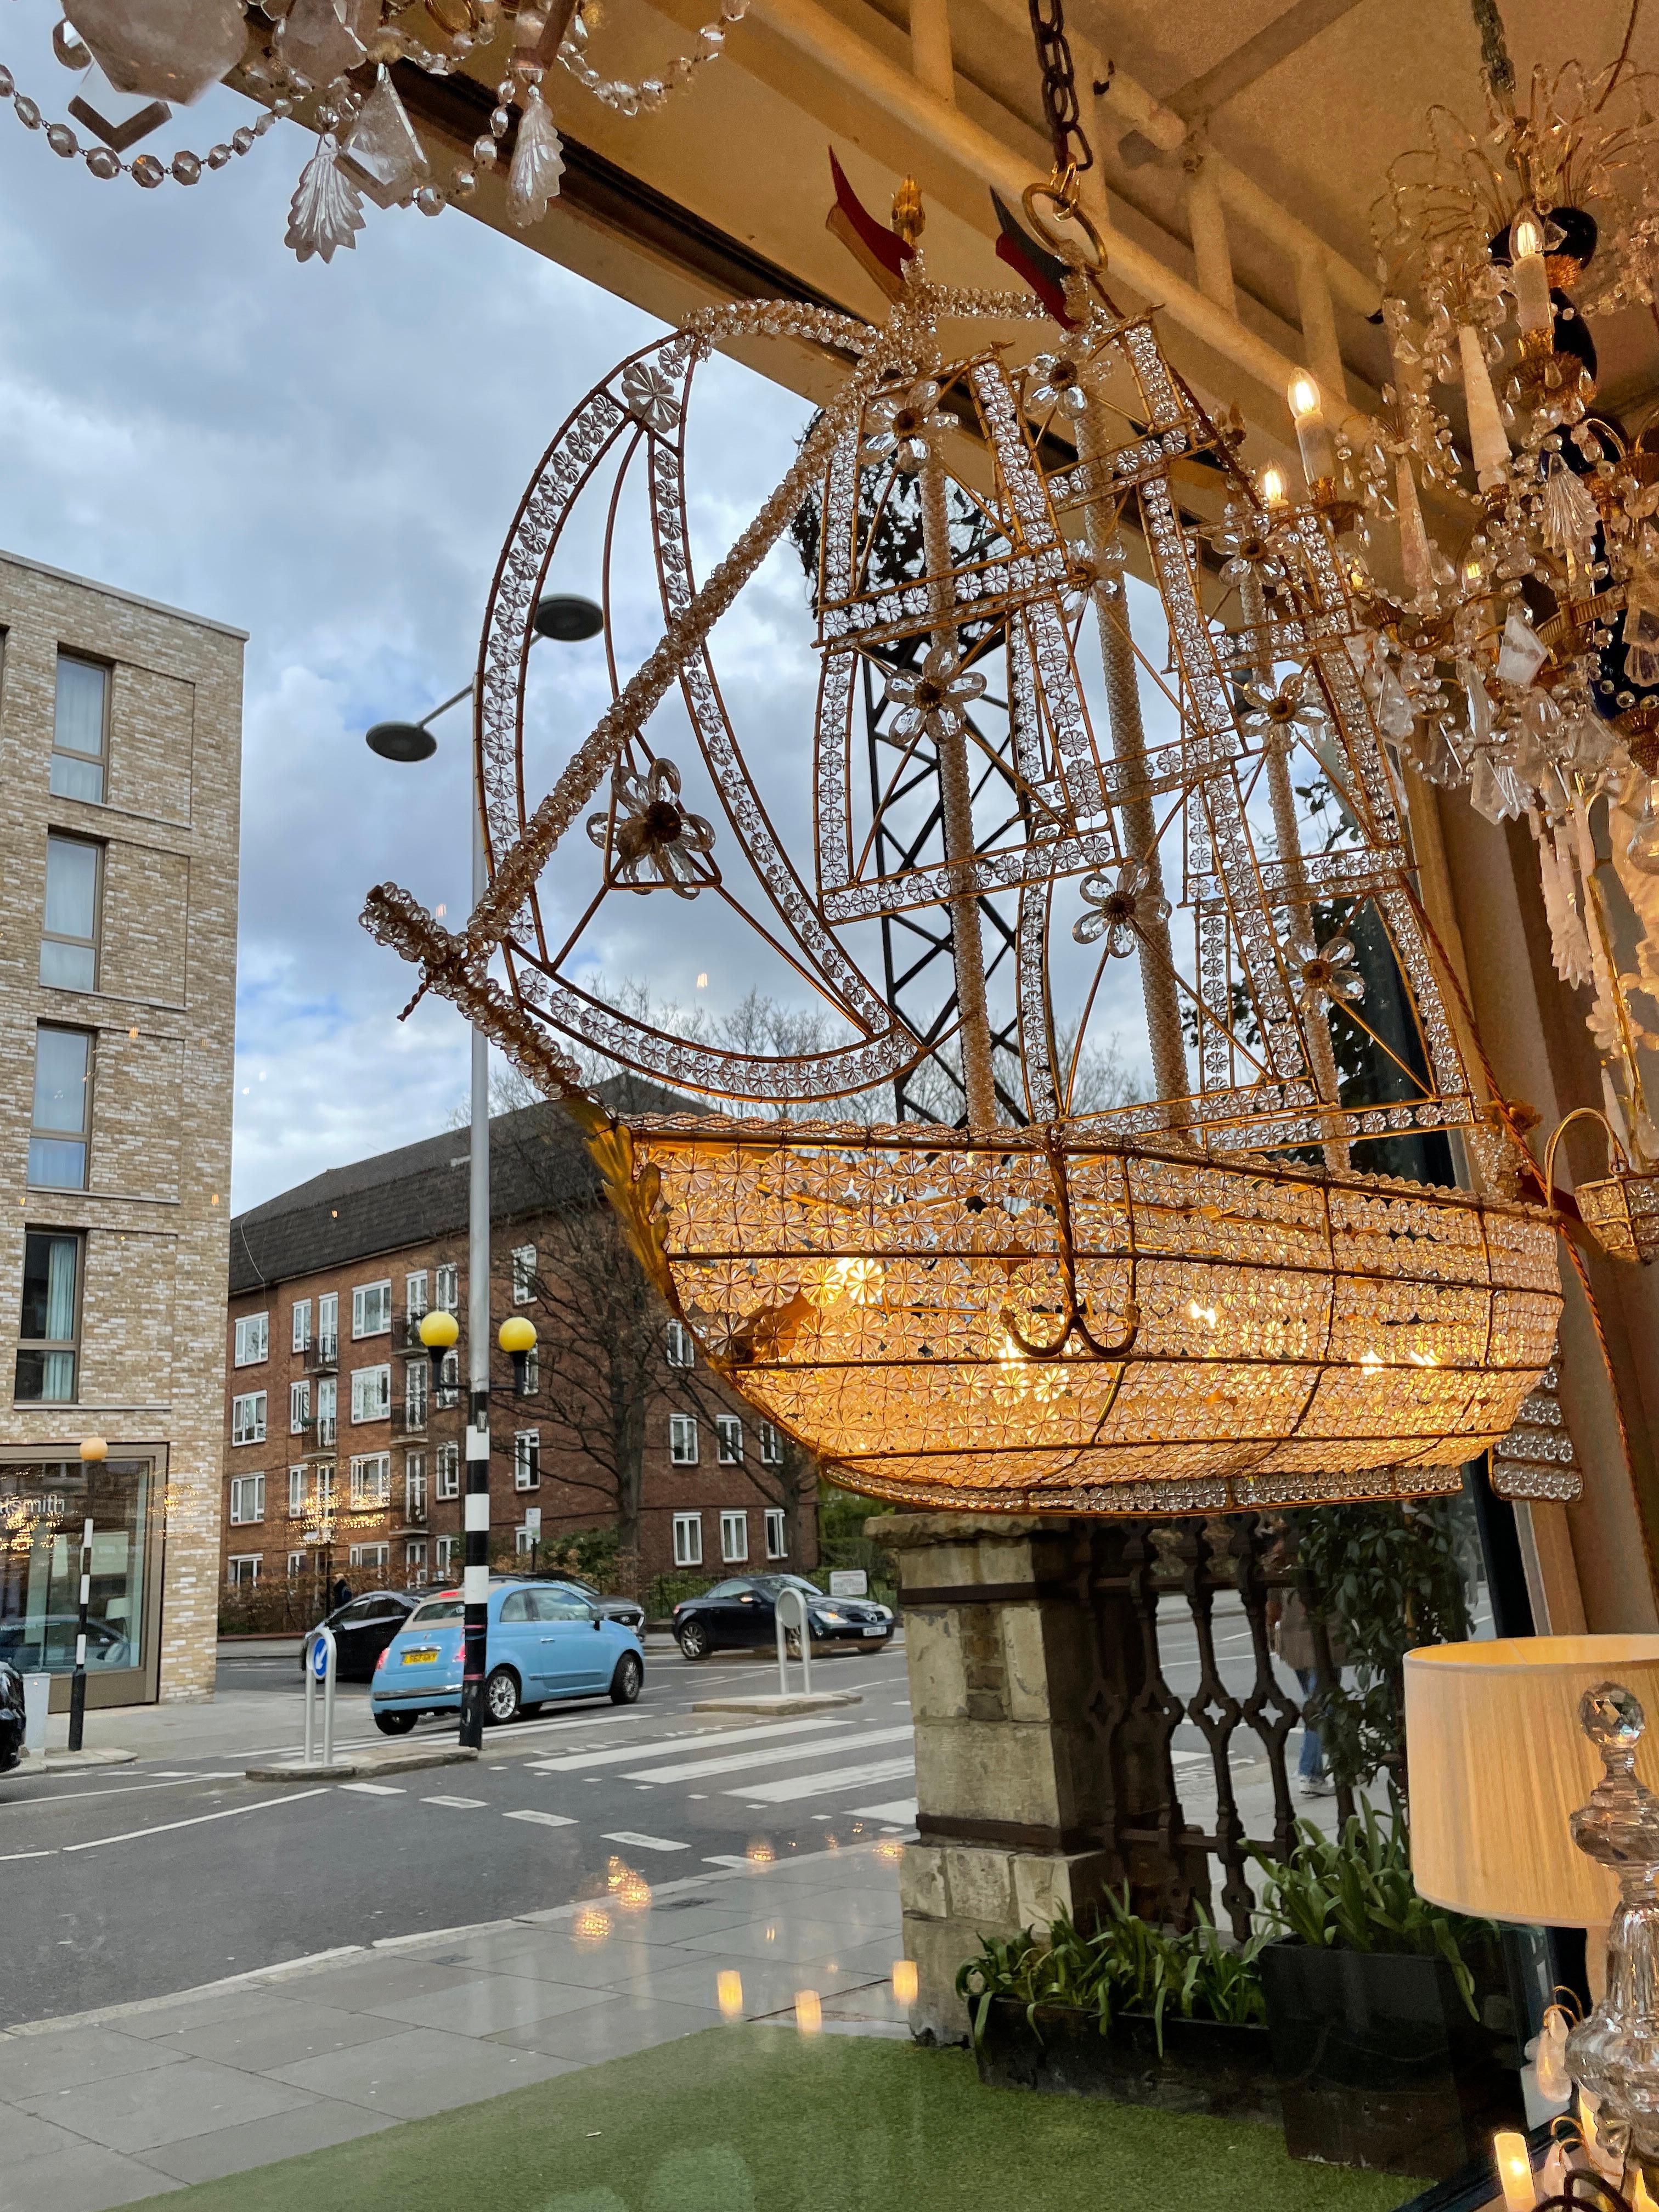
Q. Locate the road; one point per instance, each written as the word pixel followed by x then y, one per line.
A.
pixel 135 1881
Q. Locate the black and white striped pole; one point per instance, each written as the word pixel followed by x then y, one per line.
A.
pixel 94 1452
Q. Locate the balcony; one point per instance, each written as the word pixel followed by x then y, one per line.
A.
pixel 409 1421
pixel 322 1356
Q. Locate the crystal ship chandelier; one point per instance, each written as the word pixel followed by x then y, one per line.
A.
pixel 1218 1297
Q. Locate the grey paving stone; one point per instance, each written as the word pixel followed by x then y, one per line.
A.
pixel 136 2112
pixel 621 2028
pixel 313 2126
pixel 285 2034
pixel 21 2135
pixel 85 2179
pixel 494 2001
pixel 421 2071
pixel 369 1984
pixel 66 2056
pixel 165 2023
pixel 767 1985
pixel 786 1936
pixel 542 1955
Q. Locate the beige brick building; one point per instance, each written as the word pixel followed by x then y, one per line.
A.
pixel 120 737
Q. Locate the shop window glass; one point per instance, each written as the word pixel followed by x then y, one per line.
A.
pixel 44 1505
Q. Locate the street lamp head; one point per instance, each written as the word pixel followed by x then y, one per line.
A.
pixel 402 741
pixel 517 1333
pixel 93 1448
pixel 567 619
pixel 440 1331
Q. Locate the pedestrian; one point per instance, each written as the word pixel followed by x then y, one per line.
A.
pixel 340 1593
pixel 1292 1635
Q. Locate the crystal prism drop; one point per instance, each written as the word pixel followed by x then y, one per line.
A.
pixel 1522 653
pixel 328 211
pixel 321 39
pixel 1393 709
pixel 166 49
pixel 538 163
pixel 381 149
pixel 1494 787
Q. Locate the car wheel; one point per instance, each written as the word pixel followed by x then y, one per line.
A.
pixel 395 1724
pixel 502 1700
pixel 694 1641
pixel 627 1680
pixel 792 1641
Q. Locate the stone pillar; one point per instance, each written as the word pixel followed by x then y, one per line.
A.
pixel 1043 1772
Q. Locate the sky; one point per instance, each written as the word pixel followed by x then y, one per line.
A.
pixel 328 456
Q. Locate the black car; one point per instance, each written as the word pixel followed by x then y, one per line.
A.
pixel 49 1642
pixel 362 1630
pixel 628 1610
pixel 744 1612
pixel 11 1718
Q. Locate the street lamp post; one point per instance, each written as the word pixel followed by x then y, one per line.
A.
pixel 567 619
pixel 94 1452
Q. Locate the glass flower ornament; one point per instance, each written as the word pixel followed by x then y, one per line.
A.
pixel 934 697
pixel 904 424
pixel 1120 911
pixel 1324 976
pixel 655 837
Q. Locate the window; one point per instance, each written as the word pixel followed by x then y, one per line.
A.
pixel 524 1273
pixel 688 1540
pixel 242 1571
pixel 68 938
pixel 302 1324
pixel 415 1563
pixel 683 1439
pixel 62 1103
pixel 771 1445
pixel 80 736
pixel 247 1499
pixel 728 1429
pixel 371 1480
pixel 734 1538
pixel 252 1338
pixel 527 1459
pixel 449 1378
pixel 418 1376
pixel 248 1418
pixel 371 1393
pixel 415 1486
pixel 446 1289
pixel 296 1561
pixel 325 1489
pixel 415 1298
pixel 371 1310
pixel 299 1407
pixel 777 1543
pixel 327 1396
pixel 532 1371
pixel 49 1328
pixel 447 1547
pixel 525 1541
pixel 447 1473
pixel 682 1352
pixel 296 1493
pixel 377 1555
pixel 328 1325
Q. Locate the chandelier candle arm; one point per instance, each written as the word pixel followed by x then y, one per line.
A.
pixel 1489 443
pixel 955 806
pixel 1117 653
pixel 513 874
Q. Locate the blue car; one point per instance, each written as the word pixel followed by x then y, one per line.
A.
pixel 545 1641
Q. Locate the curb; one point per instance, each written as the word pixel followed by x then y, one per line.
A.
pixel 68 1762
pixel 371 1763
pixel 772 1702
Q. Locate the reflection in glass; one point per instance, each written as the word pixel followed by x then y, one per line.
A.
pixel 68 950
pixel 43 1507
pixel 77 759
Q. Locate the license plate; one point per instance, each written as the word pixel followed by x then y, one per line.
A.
pixel 422 1655
pixel 875 1631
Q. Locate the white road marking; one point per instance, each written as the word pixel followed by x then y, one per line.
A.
pixel 546 1820
pixel 375 1789
pixel 717 1739
pixel 644 1843
pixel 166 1827
pixel 6 1857
pixel 901 1811
pixel 461 1804
pixel 739 1762
pixel 120 1790
pixel 820 1785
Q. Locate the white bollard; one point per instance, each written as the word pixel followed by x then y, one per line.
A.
pixel 320 1645
pixel 37 1700
pixel 799 1597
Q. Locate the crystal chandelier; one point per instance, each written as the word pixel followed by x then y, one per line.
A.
pixel 1220 1298
pixel 335 66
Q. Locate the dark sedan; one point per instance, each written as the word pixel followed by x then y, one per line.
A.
pixel 11 1718
pixel 744 1612
pixel 362 1630
pixel 627 1610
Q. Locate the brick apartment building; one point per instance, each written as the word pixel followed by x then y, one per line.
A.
pixel 340 1452
pixel 121 741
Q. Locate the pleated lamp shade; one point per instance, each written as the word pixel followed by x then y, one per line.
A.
pixel 1498 1763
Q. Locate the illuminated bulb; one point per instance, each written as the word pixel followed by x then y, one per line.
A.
pixel 809 2012
pixel 592 1925
pixel 1312 437
pixel 1370 1361
pixel 1425 1359
pixel 858 1281
pixel 728 1990
pixel 759 1853
pixel 1205 1314
pixel 1531 273
pixel 1274 487
pixel 906 1982
pixel 1514 2172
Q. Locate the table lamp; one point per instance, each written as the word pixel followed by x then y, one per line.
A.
pixel 1533 1800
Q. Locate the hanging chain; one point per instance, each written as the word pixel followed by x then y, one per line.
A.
pixel 1072 152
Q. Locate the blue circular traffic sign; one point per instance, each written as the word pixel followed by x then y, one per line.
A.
pixel 319 1658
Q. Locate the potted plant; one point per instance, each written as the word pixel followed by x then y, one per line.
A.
pixel 1389 2019
pixel 1129 2013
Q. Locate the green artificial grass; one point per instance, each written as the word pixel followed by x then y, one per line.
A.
pixel 759 2119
